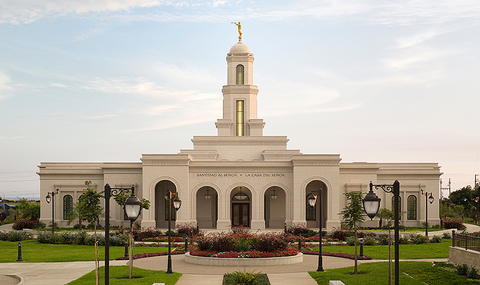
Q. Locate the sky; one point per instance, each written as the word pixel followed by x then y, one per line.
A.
pixel 371 80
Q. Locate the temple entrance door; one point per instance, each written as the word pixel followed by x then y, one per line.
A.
pixel 240 214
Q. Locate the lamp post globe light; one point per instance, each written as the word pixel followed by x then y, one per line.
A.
pixel 312 199
pixel 132 209
pixel 52 199
pixel 371 205
pixel 176 204
pixel 429 199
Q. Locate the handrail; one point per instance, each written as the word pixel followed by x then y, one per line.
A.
pixel 467 241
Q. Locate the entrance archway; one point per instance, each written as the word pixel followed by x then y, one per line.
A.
pixel 274 207
pixel 207 208
pixel 312 218
pixel 241 206
pixel 161 204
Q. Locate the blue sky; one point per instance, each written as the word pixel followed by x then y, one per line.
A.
pixel 375 81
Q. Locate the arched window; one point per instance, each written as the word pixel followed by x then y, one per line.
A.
pixel 412 207
pixel 399 206
pixel 67 206
pixel 240 73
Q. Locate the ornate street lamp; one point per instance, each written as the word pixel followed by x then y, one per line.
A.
pixel 312 199
pixel 132 208
pixel 371 204
pixel 427 199
pixel 109 192
pixel 52 199
pixel 176 204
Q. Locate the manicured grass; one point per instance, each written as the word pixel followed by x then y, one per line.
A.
pixel 409 230
pixel 377 273
pixel 407 251
pixel 142 276
pixel 32 251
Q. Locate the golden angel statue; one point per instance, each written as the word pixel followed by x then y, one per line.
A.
pixel 239 25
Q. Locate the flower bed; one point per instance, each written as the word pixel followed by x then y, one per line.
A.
pixel 237 260
pixel 245 254
pixel 342 255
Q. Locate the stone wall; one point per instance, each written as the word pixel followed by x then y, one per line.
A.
pixel 458 255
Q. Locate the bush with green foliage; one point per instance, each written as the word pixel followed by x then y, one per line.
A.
pixel 447 236
pixel 450 223
pixel 382 239
pixel 472 272
pixel 244 278
pixel 436 239
pixel 404 240
pixel 418 239
pixel 24 224
pixel 15 236
pixel 461 269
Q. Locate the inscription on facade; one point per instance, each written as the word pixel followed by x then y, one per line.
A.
pixel 230 175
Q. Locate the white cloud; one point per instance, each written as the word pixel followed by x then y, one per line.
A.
pixel 4 85
pixel 89 34
pixel 413 40
pixel 27 11
pixel 60 85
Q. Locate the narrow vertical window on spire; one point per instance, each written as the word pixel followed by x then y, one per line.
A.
pixel 240 118
pixel 240 72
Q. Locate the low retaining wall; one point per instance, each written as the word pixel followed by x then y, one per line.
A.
pixel 458 255
pixel 219 261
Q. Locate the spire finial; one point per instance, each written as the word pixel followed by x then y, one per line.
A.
pixel 239 25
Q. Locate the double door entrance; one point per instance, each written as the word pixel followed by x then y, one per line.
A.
pixel 241 214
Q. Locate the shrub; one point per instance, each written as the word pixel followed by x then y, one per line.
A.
pixel 90 240
pixel 271 242
pixel 15 236
pixel 368 240
pixel 341 234
pixel 450 223
pixel 436 239
pixel 418 239
pixel 382 239
pixel 404 240
pixel 461 269
pixel 189 230
pixel 472 272
pixel 118 239
pixel 447 236
pixel 140 234
pixel 298 229
pixel 215 242
pixel 244 278
pixel 48 237
pixel 244 244
pixel 24 224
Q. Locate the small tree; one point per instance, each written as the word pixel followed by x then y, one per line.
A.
pixel 89 201
pixel 387 215
pixel 122 197
pixel 353 213
pixel 76 213
pixel 28 210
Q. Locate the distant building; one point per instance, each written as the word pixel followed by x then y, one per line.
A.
pixel 240 176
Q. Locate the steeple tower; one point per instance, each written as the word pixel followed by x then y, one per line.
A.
pixel 240 96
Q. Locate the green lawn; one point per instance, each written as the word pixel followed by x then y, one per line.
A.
pixel 419 273
pixel 32 251
pixel 118 273
pixel 407 251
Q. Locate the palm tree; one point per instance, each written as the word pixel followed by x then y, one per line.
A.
pixel 76 213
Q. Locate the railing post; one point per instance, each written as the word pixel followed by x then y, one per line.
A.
pixel 19 252
pixel 453 238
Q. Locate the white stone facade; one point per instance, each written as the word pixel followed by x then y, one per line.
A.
pixel 241 163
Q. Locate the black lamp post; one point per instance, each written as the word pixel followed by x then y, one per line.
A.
pixel 371 204
pixel 108 193
pixel 52 199
pixel 427 199
pixel 132 209
pixel 312 199
pixel 176 204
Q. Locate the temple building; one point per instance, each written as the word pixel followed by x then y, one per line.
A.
pixel 240 176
